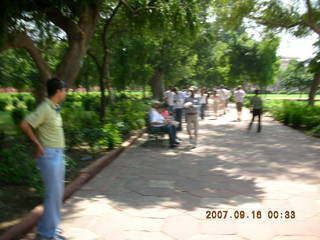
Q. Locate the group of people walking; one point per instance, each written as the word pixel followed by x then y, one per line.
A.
pixel 194 103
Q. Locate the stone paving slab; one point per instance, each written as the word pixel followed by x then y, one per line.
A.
pixel 151 192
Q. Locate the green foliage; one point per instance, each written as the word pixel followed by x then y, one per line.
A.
pixel 92 137
pixel 76 117
pixel 17 70
pixel 83 127
pixel 316 131
pixel 18 167
pixel 3 104
pixel 73 137
pixel 18 114
pixel 127 115
pixel 15 102
pixel 112 136
pixel 90 103
pixel 80 127
pixel 295 77
pixel 30 103
pixel 296 114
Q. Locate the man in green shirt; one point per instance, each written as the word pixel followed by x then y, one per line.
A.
pixel 48 138
pixel 256 103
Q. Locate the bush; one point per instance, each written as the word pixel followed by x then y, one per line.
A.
pixel 296 114
pixel 72 100
pixel 18 167
pixel 127 114
pixel 91 103
pixel 84 127
pixel 92 136
pixel 112 136
pixel 17 115
pixel 15 102
pixel 316 131
pixel 73 137
pixel 3 104
pixel 31 104
pixel 20 97
pixel 80 127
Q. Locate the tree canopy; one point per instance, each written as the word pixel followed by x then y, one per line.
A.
pixel 136 43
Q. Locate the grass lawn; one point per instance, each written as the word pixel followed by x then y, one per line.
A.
pixel 293 96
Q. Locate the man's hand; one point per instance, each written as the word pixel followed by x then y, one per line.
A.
pixel 39 151
pixel 26 128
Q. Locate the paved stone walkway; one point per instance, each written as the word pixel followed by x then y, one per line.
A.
pixel 154 193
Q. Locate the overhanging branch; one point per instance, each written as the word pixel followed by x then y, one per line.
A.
pixel 107 24
pixel 95 60
pixel 22 40
pixel 277 24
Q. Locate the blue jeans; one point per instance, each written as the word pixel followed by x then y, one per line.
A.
pixel 171 130
pixel 202 110
pixel 178 118
pixel 170 109
pixel 52 169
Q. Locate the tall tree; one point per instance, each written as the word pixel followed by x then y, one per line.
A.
pixel 233 57
pixel 21 19
pixel 301 18
pixel 102 48
pixel 295 76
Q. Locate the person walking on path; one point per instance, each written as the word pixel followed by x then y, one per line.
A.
pixel 203 102
pixel 49 142
pixel 256 103
pixel 239 95
pixel 215 103
pixel 179 98
pixel 169 98
pixel 158 121
pixel 227 95
pixel 222 95
pixel 192 111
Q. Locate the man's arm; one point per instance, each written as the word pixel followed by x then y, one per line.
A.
pixel 27 129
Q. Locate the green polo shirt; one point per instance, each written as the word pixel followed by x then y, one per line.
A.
pixel 47 121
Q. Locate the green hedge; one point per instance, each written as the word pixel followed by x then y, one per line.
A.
pixel 82 126
pixel 296 114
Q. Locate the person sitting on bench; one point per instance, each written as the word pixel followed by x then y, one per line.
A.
pixel 158 121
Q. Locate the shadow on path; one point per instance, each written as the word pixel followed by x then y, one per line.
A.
pixel 221 171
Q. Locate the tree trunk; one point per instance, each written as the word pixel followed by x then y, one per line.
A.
pixel 157 84
pixel 104 82
pixel 314 88
pixel 70 66
pixel 107 76
pixel 78 39
pixel 102 97
pixel 40 92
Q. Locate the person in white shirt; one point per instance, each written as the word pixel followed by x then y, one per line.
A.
pixel 169 98
pixel 179 98
pixel 158 121
pixel 215 102
pixel 239 95
pixel 227 95
pixel 203 102
pixel 192 111
pixel 222 95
